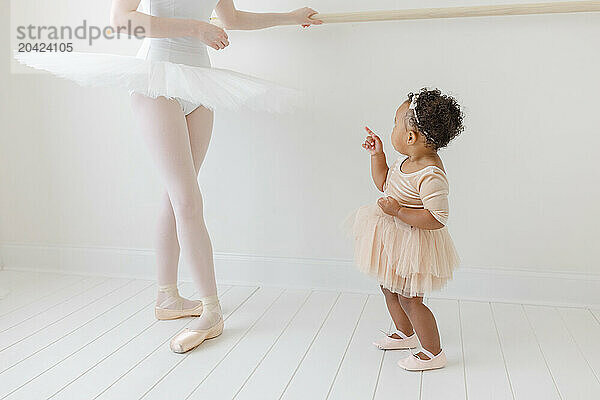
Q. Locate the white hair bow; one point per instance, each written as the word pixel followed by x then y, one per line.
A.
pixel 413 106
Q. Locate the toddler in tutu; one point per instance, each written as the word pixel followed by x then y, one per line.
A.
pixel 403 240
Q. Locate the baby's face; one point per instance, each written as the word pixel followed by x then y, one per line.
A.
pixel 400 133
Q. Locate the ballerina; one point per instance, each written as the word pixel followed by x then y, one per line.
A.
pixel 174 91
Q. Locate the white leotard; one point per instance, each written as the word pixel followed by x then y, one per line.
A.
pixel 182 50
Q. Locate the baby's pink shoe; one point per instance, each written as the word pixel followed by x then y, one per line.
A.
pixel 390 343
pixel 414 363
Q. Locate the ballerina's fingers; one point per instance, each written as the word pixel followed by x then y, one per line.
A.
pixel 309 12
pixel 221 41
pixel 220 44
pixel 215 44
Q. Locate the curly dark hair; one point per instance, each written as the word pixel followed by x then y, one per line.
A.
pixel 440 117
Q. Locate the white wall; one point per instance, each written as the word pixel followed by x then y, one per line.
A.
pixel 524 175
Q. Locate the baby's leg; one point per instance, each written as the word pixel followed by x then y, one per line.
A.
pixel 423 321
pixel 398 315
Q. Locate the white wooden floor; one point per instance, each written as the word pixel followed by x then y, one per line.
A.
pixel 74 337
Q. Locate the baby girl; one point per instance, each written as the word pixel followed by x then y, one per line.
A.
pixel 403 240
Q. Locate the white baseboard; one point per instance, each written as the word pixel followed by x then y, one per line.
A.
pixel 481 284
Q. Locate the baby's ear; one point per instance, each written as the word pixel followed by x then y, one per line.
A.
pixel 412 137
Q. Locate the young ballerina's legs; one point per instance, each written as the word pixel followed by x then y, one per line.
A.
pixel 403 239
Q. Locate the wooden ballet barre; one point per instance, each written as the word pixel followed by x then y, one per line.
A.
pixel 459 12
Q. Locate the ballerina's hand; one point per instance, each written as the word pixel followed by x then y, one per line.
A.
pixel 302 16
pixel 372 143
pixel 213 36
pixel 389 205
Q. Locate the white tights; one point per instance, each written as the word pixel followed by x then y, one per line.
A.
pixel 178 144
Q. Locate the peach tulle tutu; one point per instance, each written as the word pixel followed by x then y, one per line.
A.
pixel 404 259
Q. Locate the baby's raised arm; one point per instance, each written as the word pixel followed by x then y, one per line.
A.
pixel 379 167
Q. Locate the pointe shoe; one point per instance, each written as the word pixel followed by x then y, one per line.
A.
pixel 167 313
pixel 172 306
pixel 414 363
pixel 390 343
pixel 189 339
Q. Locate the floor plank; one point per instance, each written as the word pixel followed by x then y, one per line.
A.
pixel 393 381
pixel 358 374
pixel 527 369
pixel 36 364
pixel 84 359
pixel 39 286
pixel 237 366
pixel 95 381
pixel 55 321
pixel 573 377
pixel 11 280
pixel 270 378
pixel 194 366
pixel 40 306
pixel 585 330
pixel 449 382
pixel 318 369
pixel 17 278
pixel 486 373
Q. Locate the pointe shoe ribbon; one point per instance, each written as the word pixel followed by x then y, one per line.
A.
pixel 188 339
pixel 414 363
pixel 390 343
pixel 172 306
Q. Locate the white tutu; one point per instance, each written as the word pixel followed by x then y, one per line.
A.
pixel 214 88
